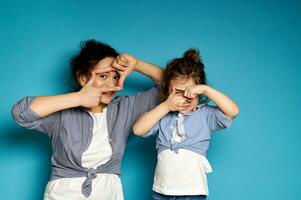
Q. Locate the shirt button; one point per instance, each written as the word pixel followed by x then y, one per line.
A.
pixel 171 127
pixel 113 156
pixel 110 140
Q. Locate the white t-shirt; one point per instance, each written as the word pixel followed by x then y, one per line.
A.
pixel 182 172
pixel 104 186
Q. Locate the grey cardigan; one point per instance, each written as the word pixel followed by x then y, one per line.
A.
pixel 71 133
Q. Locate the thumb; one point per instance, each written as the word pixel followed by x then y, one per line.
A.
pixel 121 81
pixel 92 79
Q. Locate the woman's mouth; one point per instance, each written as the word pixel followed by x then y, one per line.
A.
pixel 108 94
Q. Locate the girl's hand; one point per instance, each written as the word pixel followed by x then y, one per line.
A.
pixel 194 91
pixel 125 64
pixel 90 96
pixel 175 102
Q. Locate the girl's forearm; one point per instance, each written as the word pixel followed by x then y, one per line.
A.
pixel 152 71
pixel 46 105
pixel 148 120
pixel 228 107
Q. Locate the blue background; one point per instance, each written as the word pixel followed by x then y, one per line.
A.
pixel 251 50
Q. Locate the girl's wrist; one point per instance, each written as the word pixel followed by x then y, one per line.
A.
pixel 204 89
pixel 165 106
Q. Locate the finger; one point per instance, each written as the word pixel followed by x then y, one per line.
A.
pixel 104 70
pixel 189 94
pixel 186 93
pixel 180 88
pixel 92 79
pixel 124 59
pixel 110 89
pixel 188 101
pixel 122 63
pixel 118 66
pixel 194 95
pixel 121 81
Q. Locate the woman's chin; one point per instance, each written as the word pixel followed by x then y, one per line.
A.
pixel 106 99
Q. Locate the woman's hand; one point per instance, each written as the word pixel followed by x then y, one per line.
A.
pixel 90 96
pixel 125 64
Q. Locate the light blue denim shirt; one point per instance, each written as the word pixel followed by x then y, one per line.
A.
pixel 196 129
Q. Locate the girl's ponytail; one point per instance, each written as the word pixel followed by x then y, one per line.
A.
pixel 193 54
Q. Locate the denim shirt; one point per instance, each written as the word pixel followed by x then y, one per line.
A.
pixel 196 128
pixel 71 130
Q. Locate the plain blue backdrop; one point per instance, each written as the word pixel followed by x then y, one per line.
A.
pixel 251 50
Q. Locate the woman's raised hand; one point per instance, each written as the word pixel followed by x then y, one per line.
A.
pixel 124 64
pixel 90 95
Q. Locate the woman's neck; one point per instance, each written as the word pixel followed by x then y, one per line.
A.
pixel 99 108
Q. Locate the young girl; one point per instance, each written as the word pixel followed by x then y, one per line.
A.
pixel 89 128
pixel 184 124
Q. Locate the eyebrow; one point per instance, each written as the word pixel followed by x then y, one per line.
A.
pixel 102 73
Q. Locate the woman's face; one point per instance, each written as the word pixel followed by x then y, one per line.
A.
pixel 105 79
pixel 182 83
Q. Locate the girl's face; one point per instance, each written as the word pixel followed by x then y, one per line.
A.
pixel 183 83
pixel 105 79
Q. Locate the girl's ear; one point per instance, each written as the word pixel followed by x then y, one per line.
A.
pixel 82 80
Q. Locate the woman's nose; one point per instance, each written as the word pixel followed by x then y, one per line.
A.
pixel 110 82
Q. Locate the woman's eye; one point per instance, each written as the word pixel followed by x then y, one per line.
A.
pixel 116 77
pixel 103 76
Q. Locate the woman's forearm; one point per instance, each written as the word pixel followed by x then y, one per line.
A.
pixel 228 107
pixel 46 105
pixel 152 71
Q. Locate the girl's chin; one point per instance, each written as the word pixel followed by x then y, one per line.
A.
pixel 187 110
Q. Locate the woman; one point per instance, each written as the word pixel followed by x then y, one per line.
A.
pixel 89 128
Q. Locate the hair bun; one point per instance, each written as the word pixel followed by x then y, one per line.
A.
pixel 193 54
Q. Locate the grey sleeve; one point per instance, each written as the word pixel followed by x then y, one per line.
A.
pixel 143 102
pixel 215 118
pixel 27 118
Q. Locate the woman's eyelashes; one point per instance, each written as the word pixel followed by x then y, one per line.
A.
pixel 103 76
pixel 117 77
pixel 111 75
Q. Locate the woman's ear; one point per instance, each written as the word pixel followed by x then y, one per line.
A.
pixel 82 79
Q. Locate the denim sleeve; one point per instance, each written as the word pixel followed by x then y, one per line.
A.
pixel 143 102
pixel 215 118
pixel 153 131
pixel 27 118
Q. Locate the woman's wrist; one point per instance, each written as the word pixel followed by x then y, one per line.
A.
pixel 137 66
pixel 77 96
